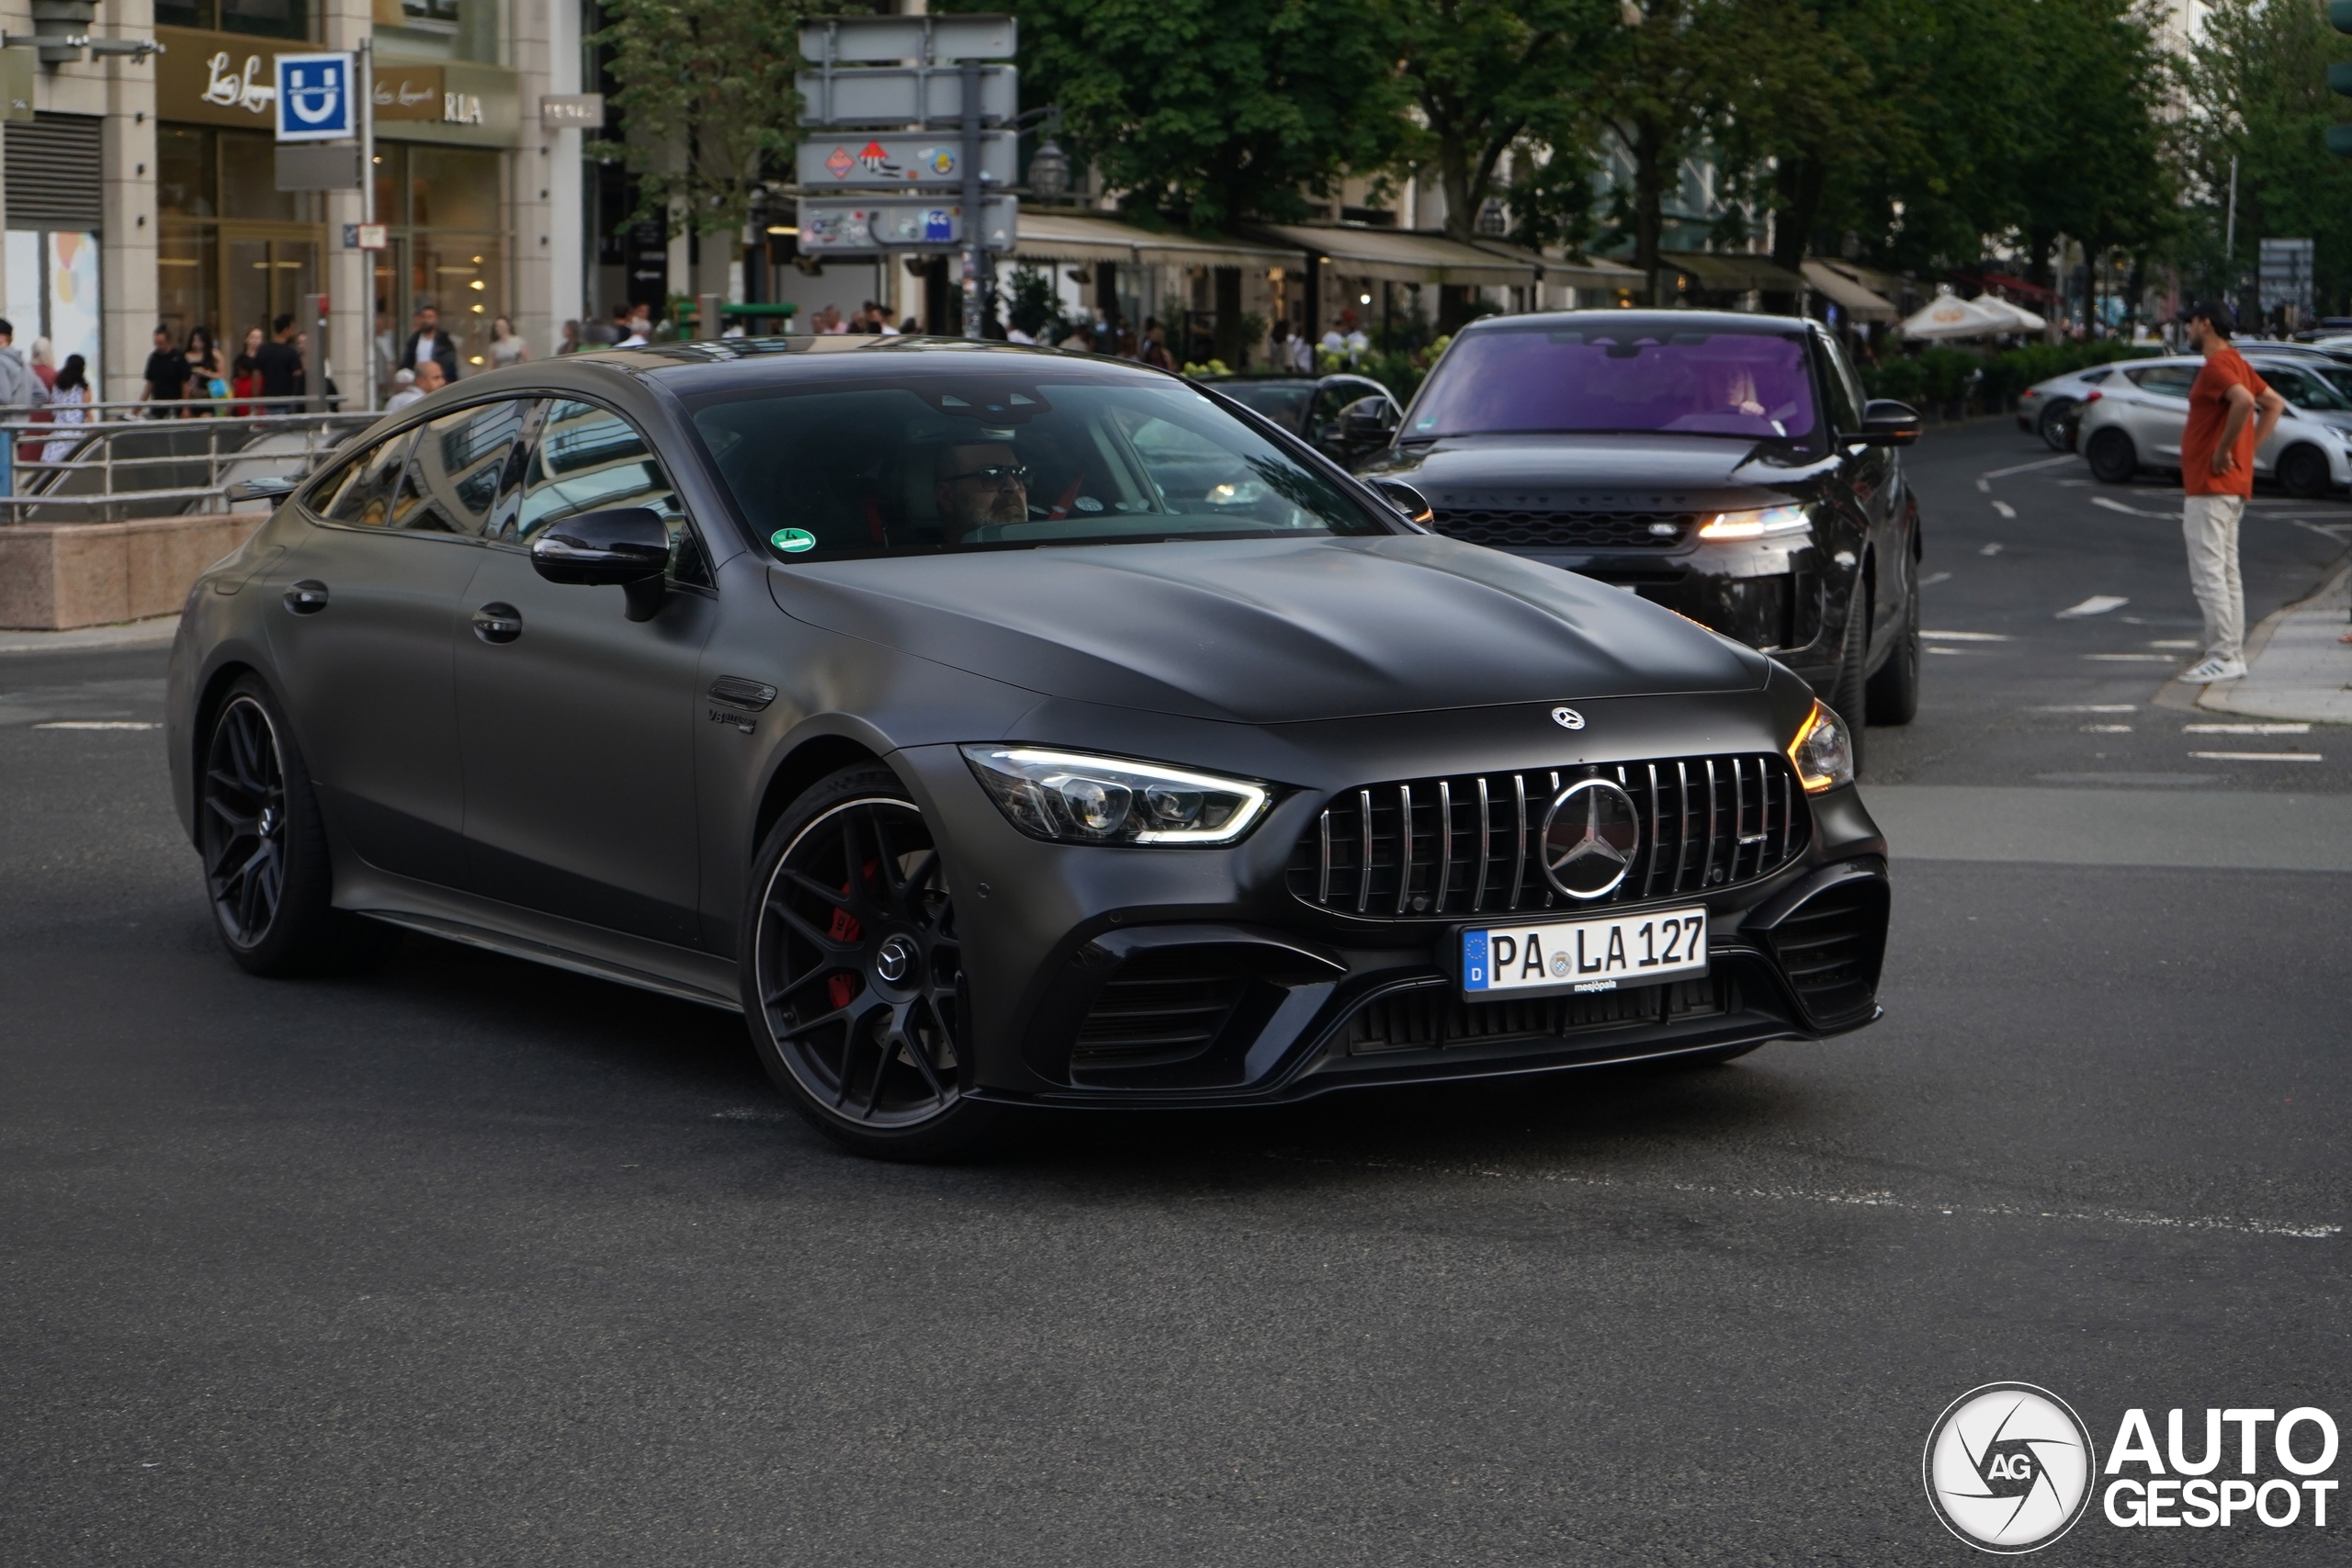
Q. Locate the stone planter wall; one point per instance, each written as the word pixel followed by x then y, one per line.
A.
pixel 57 576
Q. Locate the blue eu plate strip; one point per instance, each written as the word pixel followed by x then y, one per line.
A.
pixel 1474 961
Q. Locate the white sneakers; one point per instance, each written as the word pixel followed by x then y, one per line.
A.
pixel 2213 668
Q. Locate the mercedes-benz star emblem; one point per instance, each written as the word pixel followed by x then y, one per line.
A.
pixel 1568 718
pixel 1591 837
pixel 897 955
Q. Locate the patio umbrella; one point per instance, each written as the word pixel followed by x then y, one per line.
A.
pixel 1947 315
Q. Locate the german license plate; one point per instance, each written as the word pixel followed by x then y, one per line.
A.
pixel 1584 956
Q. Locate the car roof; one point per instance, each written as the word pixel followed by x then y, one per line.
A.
pixel 755 361
pixel 1649 321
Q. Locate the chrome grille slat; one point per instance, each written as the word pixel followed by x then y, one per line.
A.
pixel 1750 824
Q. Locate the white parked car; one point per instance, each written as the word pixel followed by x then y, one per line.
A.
pixel 2134 421
pixel 2046 408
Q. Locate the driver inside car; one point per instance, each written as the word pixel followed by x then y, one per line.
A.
pixel 980 484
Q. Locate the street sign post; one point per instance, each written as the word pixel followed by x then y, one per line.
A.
pixel 899 161
pixel 887 81
pixel 2339 77
pixel 317 97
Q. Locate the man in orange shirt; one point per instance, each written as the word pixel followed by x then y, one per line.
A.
pixel 2231 410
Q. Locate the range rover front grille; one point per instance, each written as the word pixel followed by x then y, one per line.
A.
pixel 1568 530
pixel 1442 849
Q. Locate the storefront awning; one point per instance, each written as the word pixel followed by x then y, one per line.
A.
pixel 1069 237
pixel 1593 273
pixel 1847 294
pixel 1404 255
pixel 1721 273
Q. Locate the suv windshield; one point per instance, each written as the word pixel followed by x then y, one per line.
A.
pixel 1611 380
pixel 932 462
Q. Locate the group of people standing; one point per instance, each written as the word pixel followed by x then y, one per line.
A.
pixel 49 392
pixel 185 380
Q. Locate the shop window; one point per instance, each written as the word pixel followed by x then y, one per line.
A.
pixel 260 19
pixel 453 187
pixel 184 186
pixel 440 29
pixel 249 182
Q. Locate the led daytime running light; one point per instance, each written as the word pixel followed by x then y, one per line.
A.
pixel 1822 753
pixel 1070 797
pixel 1756 524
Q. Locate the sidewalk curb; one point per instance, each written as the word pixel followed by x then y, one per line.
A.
pixel 156 632
pixel 2184 698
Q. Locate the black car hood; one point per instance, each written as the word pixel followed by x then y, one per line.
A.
pixel 1594 470
pixel 1271 631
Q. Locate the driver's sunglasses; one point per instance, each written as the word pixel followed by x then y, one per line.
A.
pixel 1000 473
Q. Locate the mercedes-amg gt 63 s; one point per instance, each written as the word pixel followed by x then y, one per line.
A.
pixel 999 729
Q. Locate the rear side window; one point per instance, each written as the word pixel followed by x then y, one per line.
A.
pixel 459 460
pixel 2166 380
pixel 363 496
pixel 2095 377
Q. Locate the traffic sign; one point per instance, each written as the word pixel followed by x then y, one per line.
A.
pixel 929 40
pixel 846 226
pixel 894 163
pixel 905 94
pixel 316 98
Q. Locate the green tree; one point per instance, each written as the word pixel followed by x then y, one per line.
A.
pixel 1212 110
pixel 2257 91
pixel 1491 78
pixel 706 91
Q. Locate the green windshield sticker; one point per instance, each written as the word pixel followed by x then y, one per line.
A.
pixel 792 541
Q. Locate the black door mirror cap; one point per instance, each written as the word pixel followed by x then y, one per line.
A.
pixel 1886 422
pixel 625 547
pixel 1405 499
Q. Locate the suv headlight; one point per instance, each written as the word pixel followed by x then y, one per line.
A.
pixel 1072 798
pixel 1822 751
pixel 1758 523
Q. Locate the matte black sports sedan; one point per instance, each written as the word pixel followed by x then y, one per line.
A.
pixel 1725 466
pixel 999 729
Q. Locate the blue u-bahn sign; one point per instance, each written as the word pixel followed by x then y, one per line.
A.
pixel 317 97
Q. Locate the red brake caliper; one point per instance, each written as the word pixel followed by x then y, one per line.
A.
pixel 841 988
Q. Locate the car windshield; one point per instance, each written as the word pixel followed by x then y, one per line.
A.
pixel 1605 379
pixel 922 463
pixel 1284 402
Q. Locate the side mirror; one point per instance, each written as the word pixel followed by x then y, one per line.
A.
pixel 627 548
pixel 1368 422
pixel 1405 499
pixel 1886 422
pixel 260 489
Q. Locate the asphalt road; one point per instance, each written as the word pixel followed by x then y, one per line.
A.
pixel 471 1261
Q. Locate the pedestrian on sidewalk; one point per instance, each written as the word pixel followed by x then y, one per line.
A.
pixel 2231 410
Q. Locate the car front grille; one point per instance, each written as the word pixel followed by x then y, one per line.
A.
pixel 1434 1017
pixel 1569 530
pixel 1442 849
pixel 1158 1009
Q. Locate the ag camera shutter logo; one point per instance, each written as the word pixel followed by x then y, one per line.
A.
pixel 314 98
pixel 2008 1468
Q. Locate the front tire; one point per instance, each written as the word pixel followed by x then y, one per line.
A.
pixel 1850 696
pixel 853 975
pixel 2302 473
pixel 1893 695
pixel 266 872
pixel 2112 457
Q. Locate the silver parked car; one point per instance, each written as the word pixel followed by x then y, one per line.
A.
pixel 2048 409
pixel 2134 421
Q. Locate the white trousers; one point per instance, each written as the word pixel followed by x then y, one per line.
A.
pixel 2209 524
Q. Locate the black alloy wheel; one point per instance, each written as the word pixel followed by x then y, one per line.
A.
pixel 2112 457
pixel 2302 472
pixel 266 872
pixel 855 982
pixel 2056 425
pixel 1893 695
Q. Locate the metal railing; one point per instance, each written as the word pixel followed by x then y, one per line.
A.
pixel 120 461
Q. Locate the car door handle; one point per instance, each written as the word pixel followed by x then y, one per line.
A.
pixel 306 597
pixel 498 621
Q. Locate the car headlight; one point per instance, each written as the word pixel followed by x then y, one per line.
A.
pixel 1758 523
pixel 1822 751
pixel 1070 798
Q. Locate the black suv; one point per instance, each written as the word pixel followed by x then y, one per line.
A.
pixel 1725 466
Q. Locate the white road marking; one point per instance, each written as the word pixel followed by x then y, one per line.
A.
pixel 2029 468
pixel 2134 658
pixel 2096 604
pixel 1984 486
pixel 95 724
pixel 2114 505
pixel 1952 652
pixel 1933 578
pixel 2186 644
pixel 1991 549
pixel 2246 729
pixel 2004 509
pixel 2340 532
pixel 2259 755
pixel 2106 729
pixel 1966 636
pixel 2086 707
